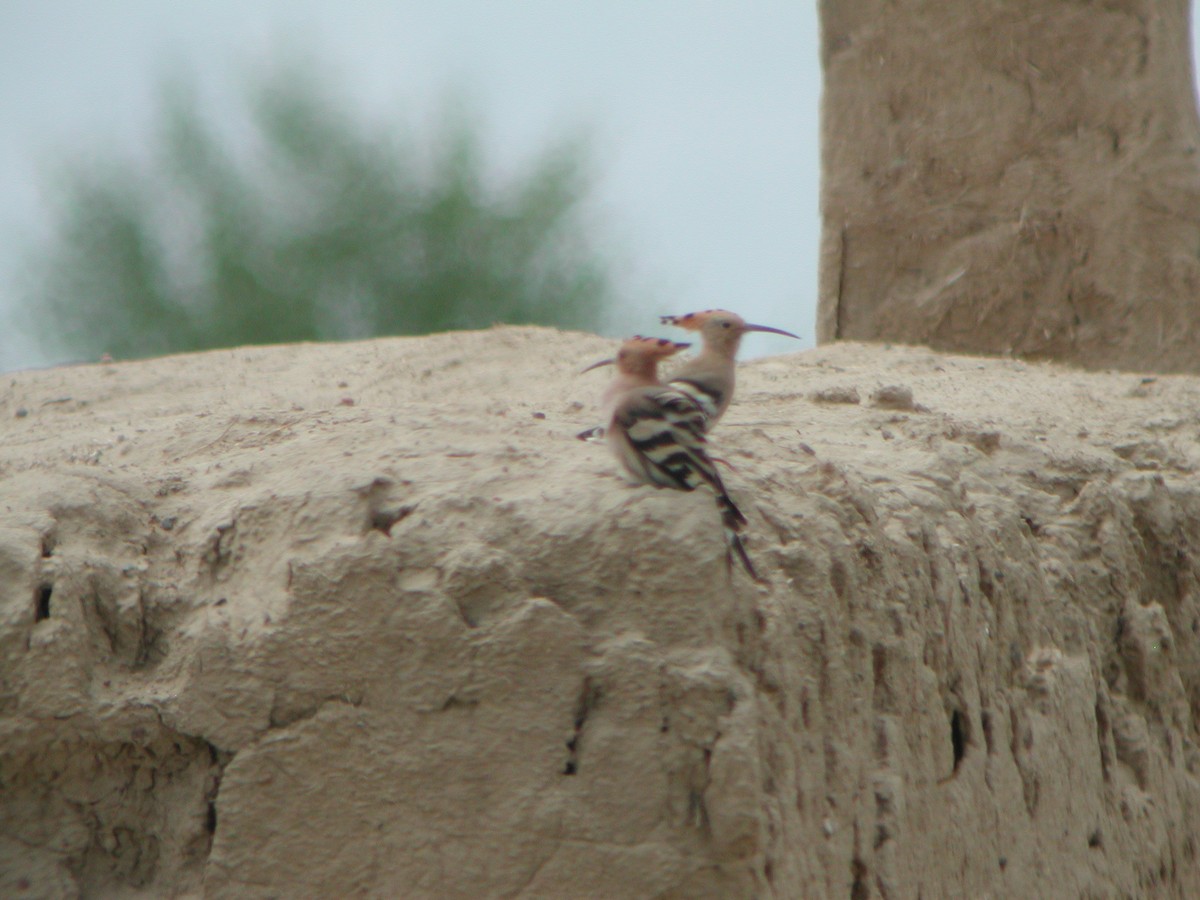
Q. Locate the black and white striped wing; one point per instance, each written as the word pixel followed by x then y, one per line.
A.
pixel 706 396
pixel 658 435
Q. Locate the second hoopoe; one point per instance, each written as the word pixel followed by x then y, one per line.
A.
pixel 657 434
pixel 709 377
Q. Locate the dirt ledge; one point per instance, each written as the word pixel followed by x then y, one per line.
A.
pixel 366 619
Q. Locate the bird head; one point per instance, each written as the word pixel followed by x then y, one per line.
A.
pixel 720 329
pixel 640 354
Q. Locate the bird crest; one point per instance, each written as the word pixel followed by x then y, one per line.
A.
pixel 694 321
pixel 658 348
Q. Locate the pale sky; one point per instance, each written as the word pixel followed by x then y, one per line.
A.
pixel 704 115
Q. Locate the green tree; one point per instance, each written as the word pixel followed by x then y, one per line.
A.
pixel 315 227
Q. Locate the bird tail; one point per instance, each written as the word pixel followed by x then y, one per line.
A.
pixel 732 522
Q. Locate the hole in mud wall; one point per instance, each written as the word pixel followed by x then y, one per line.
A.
pixel 48 545
pixel 858 871
pixel 384 519
pixel 41 607
pixel 1102 732
pixel 589 697
pixel 838 579
pixel 958 737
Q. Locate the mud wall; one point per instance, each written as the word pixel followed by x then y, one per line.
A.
pixel 366 619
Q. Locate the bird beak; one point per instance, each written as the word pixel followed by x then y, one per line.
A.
pixel 770 330
pixel 596 365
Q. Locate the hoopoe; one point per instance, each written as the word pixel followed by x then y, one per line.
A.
pixel 709 377
pixel 657 434
pixel 637 366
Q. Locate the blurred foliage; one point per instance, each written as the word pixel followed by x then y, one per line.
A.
pixel 312 226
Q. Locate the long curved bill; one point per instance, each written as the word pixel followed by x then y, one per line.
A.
pixel 770 330
pixel 596 365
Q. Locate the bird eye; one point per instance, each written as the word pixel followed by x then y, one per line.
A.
pixel 726 324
